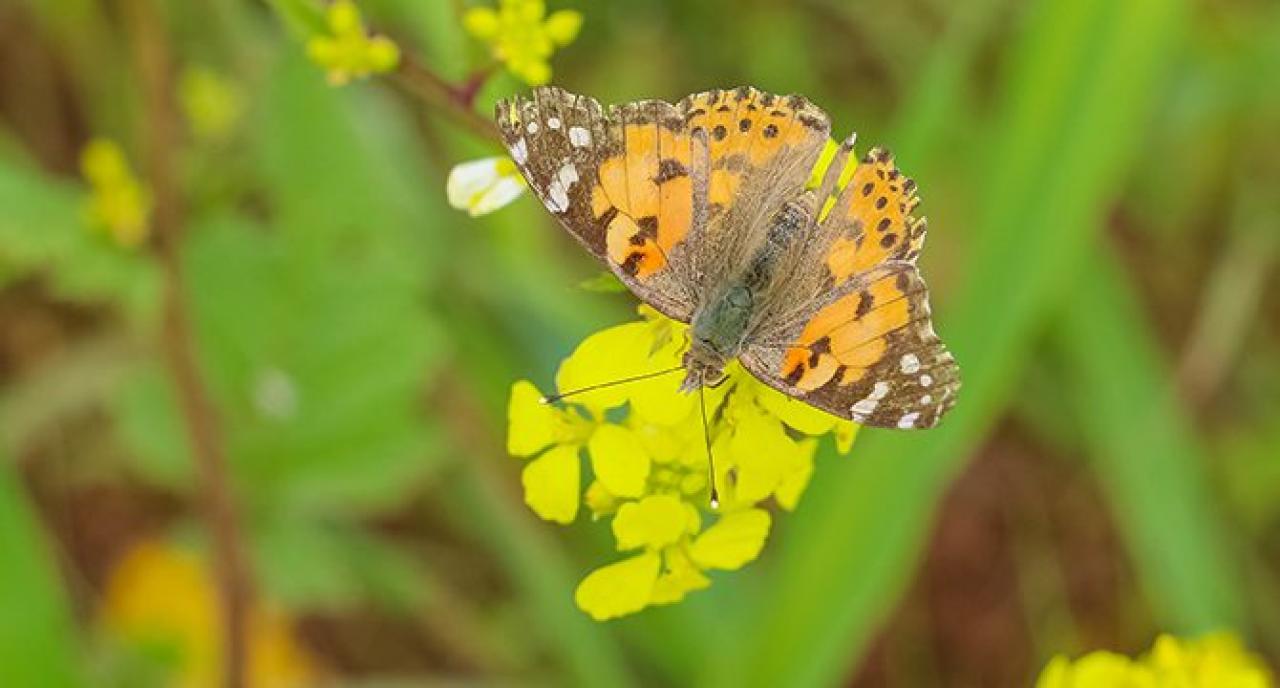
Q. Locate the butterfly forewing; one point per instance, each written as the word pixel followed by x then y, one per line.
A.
pixel 576 160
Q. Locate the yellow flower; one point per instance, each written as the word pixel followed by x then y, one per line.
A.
pixel 1216 660
pixel 483 186
pixel 646 451
pixel 522 37
pixel 348 51
pixel 118 203
pixel 212 104
pixel 161 597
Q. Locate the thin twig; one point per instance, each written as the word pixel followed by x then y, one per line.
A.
pixel 455 102
pixel 177 342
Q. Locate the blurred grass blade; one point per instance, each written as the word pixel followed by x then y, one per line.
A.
pixel 37 640
pixel 1146 454
pixel 1080 91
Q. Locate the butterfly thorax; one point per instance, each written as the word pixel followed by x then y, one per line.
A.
pixel 717 332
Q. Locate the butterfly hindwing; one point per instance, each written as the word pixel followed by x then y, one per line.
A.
pixel 871 355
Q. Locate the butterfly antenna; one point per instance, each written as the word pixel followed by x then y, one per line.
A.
pixel 551 398
pixel 706 436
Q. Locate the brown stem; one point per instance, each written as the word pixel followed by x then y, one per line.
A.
pixel 418 79
pixel 177 341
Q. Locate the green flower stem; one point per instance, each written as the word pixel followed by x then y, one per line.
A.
pixel 161 134
pixel 421 81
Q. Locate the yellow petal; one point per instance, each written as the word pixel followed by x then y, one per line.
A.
pixel 846 433
pixel 551 484
pixel 563 26
pixel 795 413
pixel 531 424
pixel 383 54
pixel 1057 674
pixel 733 541
pixel 618 460
pixel 763 454
pixel 796 478
pixel 103 163
pixel 344 18
pixel 533 71
pixel 599 500
pixel 611 354
pixel 482 23
pixel 658 400
pixel 1107 670
pixel 618 589
pixel 679 577
pixel 654 522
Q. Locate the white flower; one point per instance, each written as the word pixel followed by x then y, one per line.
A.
pixel 483 186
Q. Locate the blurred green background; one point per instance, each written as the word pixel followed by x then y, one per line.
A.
pixel 1101 181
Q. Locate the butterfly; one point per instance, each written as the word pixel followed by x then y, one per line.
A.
pixel 701 209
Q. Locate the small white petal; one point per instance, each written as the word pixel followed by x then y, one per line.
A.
pixel 480 186
pixel 506 190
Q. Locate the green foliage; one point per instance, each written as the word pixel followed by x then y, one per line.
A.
pixel 1079 160
pixel 37 640
pixel 1148 457
pixel 1066 129
pixel 42 232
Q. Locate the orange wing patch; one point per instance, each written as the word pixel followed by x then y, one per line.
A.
pixel 748 129
pixel 644 195
pixel 848 337
pixel 873 216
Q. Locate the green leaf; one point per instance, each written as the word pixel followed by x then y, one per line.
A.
pixel 317 370
pixel 37 637
pixel 1067 127
pixel 1147 456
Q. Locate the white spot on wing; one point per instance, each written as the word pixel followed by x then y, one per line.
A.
pixel 926 380
pixel 532 128
pixel 553 122
pixel 910 363
pixel 908 420
pixel 557 197
pixel 926 399
pixel 520 151
pixel 579 137
pixel 867 405
pixel 568 174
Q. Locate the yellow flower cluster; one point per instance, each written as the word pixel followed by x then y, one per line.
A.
pixel 211 103
pixel 522 37
pixel 1217 660
pixel 160 597
pixel 645 447
pixel 348 51
pixel 118 202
